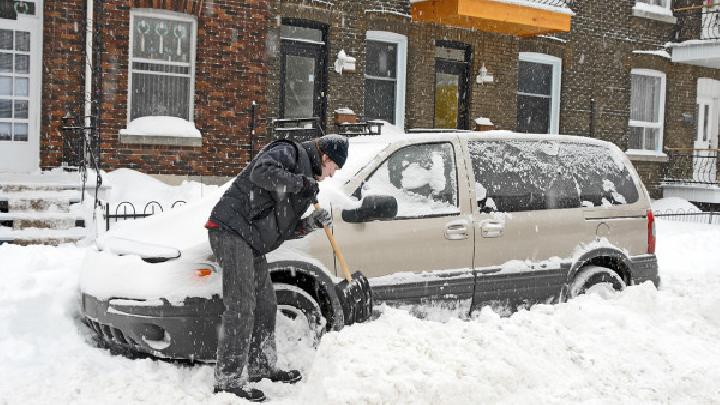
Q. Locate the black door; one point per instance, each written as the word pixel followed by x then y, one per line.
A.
pixel 302 80
pixel 451 85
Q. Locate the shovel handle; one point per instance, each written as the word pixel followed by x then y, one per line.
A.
pixel 336 249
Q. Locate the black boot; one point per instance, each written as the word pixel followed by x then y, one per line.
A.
pixel 289 377
pixel 251 394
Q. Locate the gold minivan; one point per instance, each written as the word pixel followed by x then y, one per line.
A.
pixel 471 218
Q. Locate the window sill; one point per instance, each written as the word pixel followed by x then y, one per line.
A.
pixel 652 15
pixel 161 140
pixel 646 156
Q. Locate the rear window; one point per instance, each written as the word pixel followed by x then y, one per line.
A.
pixel 513 176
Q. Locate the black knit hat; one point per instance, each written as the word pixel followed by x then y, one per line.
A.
pixel 335 146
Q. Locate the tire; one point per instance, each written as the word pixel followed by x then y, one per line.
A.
pixel 294 302
pixel 590 276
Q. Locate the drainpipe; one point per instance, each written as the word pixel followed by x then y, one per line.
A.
pixel 88 62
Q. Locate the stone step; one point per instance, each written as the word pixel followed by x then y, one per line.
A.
pixel 51 220
pixel 40 236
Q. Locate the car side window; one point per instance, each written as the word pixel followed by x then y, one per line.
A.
pixel 514 176
pixel 422 177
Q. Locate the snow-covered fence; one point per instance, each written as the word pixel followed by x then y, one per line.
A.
pixel 126 210
pixel 690 215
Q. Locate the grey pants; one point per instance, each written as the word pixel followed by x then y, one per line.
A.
pixel 247 336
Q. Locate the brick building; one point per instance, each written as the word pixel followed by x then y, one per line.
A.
pixel 616 70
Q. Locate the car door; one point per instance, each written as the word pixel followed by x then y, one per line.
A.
pixel 527 219
pixel 431 232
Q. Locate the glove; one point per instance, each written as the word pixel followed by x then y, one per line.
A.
pixel 318 219
pixel 310 188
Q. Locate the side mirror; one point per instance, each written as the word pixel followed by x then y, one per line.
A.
pixel 373 207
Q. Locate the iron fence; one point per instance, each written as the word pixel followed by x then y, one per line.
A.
pixel 690 215
pixel 129 211
pixel 697 22
pixel 691 166
pixel 81 149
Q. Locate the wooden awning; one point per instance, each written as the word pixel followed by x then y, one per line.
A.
pixel 511 18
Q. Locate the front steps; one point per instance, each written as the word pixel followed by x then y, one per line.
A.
pixel 44 208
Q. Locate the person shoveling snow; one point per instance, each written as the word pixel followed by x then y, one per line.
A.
pixel 261 209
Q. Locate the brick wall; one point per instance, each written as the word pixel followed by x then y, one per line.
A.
pixel 230 73
pixel 348 22
pixel 63 73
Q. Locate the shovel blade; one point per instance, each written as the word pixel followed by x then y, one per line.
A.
pixel 355 298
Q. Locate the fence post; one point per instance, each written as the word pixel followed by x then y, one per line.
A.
pixel 107 216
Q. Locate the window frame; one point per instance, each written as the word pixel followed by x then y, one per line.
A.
pixel 359 194
pixel 667 6
pixel 401 42
pixel 660 125
pixel 556 63
pixel 170 15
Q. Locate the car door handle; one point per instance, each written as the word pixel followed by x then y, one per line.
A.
pixel 457 230
pixel 492 229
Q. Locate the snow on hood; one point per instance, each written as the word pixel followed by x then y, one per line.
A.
pixel 183 227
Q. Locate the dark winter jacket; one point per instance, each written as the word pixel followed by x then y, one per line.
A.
pixel 263 205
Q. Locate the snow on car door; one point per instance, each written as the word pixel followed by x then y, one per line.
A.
pixel 431 232
pixel 527 217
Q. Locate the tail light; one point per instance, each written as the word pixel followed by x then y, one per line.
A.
pixel 651 233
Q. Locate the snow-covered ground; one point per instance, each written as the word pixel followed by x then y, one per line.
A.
pixel 639 346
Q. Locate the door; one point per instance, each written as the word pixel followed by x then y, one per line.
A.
pixel 20 86
pixel 527 216
pixel 302 72
pixel 451 85
pixel 431 231
pixel 706 139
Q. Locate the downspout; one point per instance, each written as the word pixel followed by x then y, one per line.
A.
pixel 88 63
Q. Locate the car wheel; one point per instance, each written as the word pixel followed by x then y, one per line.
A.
pixel 595 278
pixel 302 310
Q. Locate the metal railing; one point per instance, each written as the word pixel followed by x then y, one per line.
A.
pixel 81 149
pixel 691 166
pixel 697 22
pixel 689 215
pixel 125 210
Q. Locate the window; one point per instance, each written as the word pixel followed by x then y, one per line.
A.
pixel 421 177
pixel 386 54
pixel 162 64
pixel 515 176
pixel 538 93
pixel 15 78
pixel 647 110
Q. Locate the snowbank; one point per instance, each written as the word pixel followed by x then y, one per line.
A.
pixel 673 205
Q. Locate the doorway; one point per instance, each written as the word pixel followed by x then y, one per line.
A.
pixel 705 145
pixel 452 71
pixel 20 85
pixel 302 70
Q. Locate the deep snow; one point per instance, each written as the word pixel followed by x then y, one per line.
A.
pixel 639 346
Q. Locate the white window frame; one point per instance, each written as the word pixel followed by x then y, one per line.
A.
pixel 400 84
pixel 661 112
pixel 169 15
pixel 534 57
pixel 668 4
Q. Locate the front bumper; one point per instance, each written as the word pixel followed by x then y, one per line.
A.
pixel 188 331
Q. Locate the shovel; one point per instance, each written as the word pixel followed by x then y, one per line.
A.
pixel 354 292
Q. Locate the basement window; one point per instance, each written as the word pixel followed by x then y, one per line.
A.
pixel 162 64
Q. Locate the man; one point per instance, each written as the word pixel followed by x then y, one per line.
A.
pixel 261 209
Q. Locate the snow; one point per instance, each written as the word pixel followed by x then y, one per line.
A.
pixel 661 53
pixel 673 205
pixel 161 126
pixel 483 121
pixel 639 346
